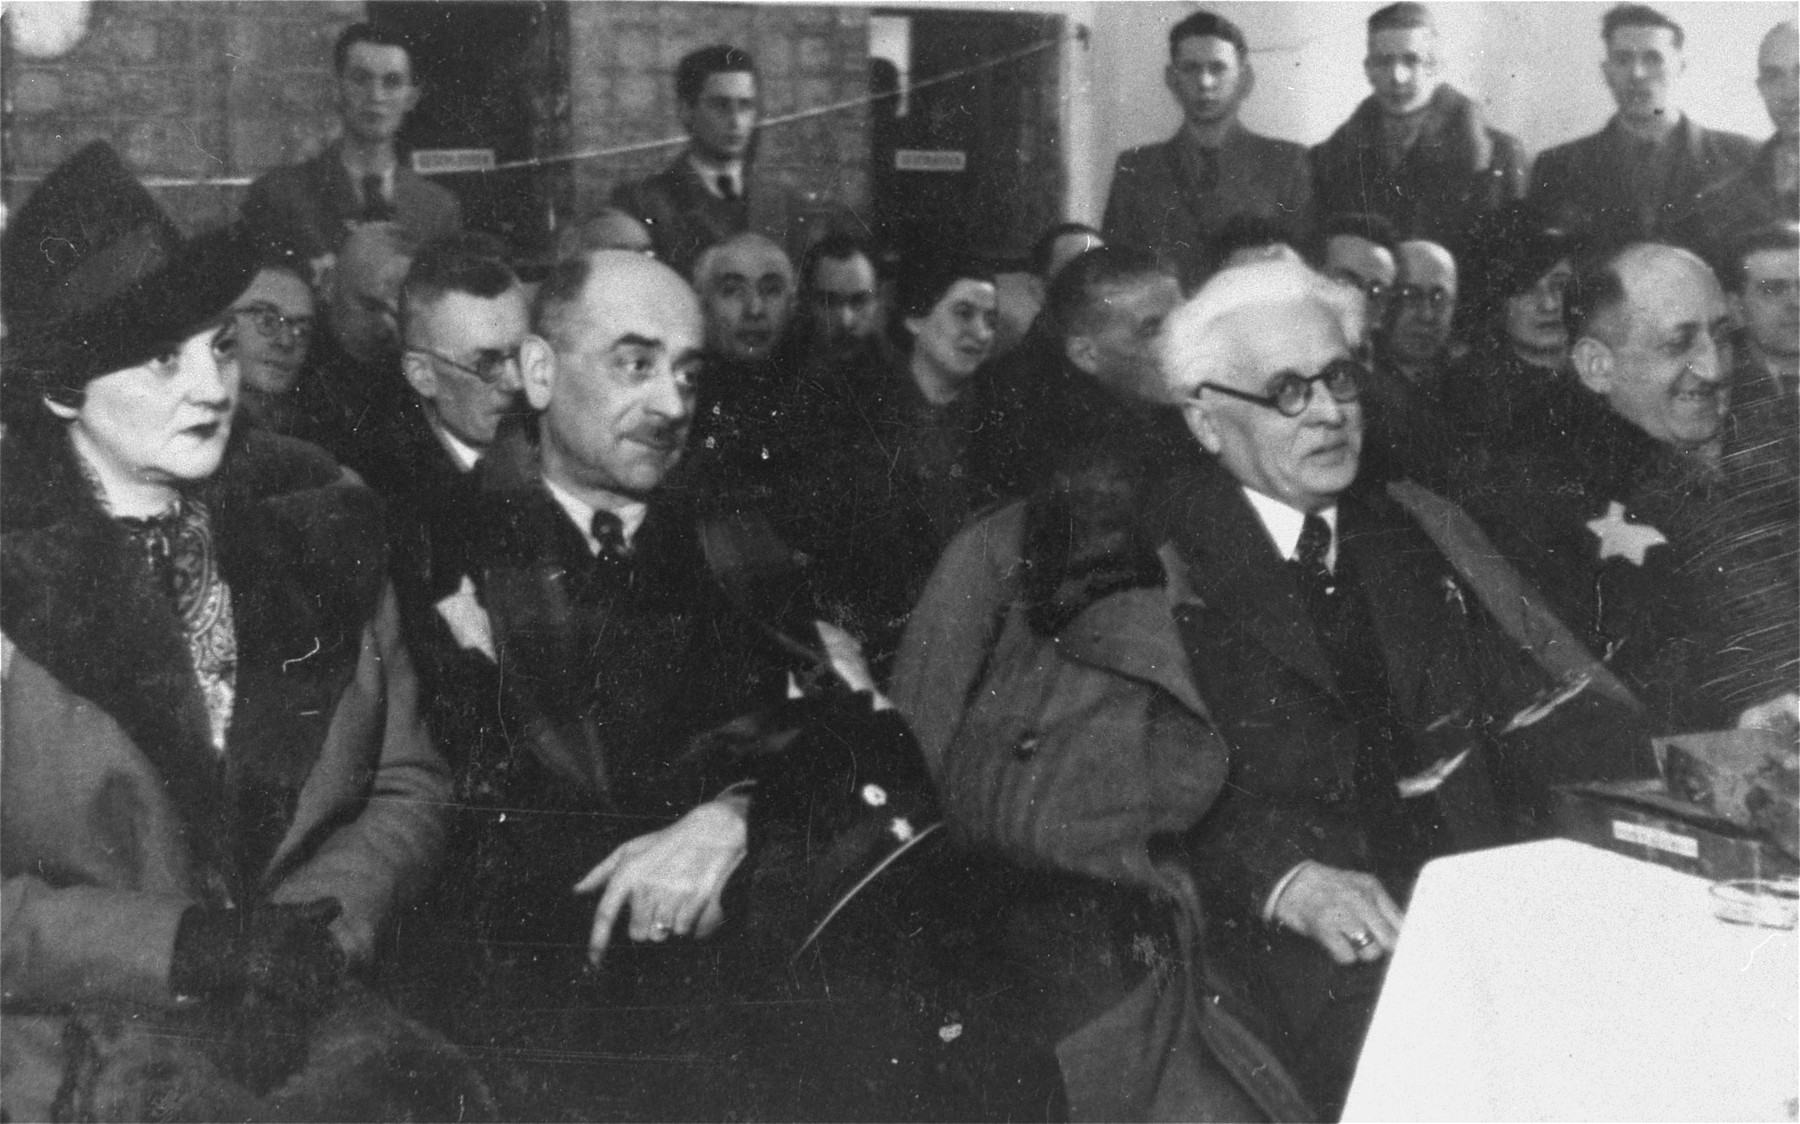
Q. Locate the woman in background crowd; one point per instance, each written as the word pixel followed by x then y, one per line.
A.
pixel 1512 317
pixel 880 465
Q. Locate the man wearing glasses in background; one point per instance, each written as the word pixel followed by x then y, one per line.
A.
pixel 1409 432
pixel 275 317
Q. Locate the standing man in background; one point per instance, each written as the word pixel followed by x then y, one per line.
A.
pixel 1768 189
pixel 713 189
pixel 1635 177
pixel 1417 151
pixel 1174 196
pixel 309 207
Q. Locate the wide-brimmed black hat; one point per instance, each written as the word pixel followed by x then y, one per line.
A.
pixel 97 278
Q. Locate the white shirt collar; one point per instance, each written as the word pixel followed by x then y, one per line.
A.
pixel 631 515
pixel 710 171
pixel 464 454
pixel 1284 524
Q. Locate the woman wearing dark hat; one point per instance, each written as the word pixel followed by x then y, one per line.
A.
pixel 1512 312
pixel 216 788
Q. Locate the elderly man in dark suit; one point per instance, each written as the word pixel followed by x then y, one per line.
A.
pixel 1417 152
pixel 1384 691
pixel 309 207
pixel 1175 196
pixel 1639 175
pixel 1355 657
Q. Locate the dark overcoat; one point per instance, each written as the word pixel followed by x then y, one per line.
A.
pixel 1459 169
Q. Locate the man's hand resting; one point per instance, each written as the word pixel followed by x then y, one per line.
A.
pixel 1346 911
pixel 672 879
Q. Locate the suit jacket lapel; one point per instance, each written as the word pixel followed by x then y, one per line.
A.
pixel 1398 593
pixel 1235 571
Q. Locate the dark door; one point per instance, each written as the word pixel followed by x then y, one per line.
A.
pixel 495 76
pixel 975 164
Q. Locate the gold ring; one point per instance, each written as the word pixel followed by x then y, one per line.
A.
pixel 1359 940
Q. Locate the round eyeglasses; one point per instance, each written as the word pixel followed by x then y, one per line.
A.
pixel 275 325
pixel 490 363
pixel 1293 393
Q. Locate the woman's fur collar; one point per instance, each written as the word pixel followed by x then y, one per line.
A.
pixel 300 544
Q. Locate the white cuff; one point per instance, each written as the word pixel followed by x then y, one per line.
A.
pixel 1268 909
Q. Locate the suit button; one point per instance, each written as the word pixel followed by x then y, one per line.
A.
pixel 1025 748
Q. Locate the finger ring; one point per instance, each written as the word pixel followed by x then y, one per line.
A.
pixel 660 927
pixel 1359 940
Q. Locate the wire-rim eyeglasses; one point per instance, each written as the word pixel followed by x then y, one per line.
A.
pixel 490 363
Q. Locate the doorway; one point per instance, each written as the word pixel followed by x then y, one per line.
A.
pixel 967 154
pixel 494 76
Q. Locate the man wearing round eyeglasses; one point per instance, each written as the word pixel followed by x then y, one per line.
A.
pixel 275 318
pixel 1336 633
pixel 1330 633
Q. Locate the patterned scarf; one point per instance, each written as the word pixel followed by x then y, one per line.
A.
pixel 179 548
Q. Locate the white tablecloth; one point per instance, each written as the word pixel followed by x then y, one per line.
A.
pixel 1557 981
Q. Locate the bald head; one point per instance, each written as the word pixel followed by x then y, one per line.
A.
pixel 1424 303
pixel 363 313
pixel 618 394
pixel 746 286
pixel 1778 78
pixel 609 229
pixel 1651 336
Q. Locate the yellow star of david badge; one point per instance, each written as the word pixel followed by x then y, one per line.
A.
pixel 1622 539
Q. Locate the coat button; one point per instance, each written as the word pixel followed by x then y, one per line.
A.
pixel 1026 747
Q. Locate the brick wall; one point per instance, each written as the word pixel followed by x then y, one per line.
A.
pixel 230 88
pixel 183 90
pixel 622 83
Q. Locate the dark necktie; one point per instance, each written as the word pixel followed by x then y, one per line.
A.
pixel 1402 834
pixel 609 530
pixel 1310 557
pixel 728 189
pixel 376 208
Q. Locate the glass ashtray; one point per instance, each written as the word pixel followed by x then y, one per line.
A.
pixel 1771 903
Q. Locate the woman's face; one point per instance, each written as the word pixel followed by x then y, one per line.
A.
pixel 1534 317
pixel 958 333
pixel 146 429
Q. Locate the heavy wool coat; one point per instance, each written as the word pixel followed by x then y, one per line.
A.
pixel 1056 709
pixel 1459 169
pixel 117 814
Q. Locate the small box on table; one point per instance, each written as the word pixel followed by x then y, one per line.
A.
pixel 1639 818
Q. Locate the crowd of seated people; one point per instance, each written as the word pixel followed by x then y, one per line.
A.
pixel 736 669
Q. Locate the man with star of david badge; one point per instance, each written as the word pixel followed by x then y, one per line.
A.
pixel 1620 508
